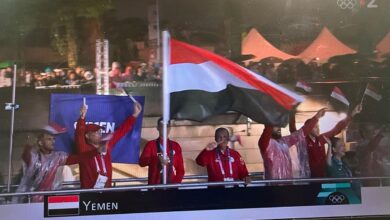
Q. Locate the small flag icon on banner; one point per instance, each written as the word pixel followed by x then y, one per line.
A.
pixel 339 95
pixel 373 92
pixel 305 86
pixel 63 205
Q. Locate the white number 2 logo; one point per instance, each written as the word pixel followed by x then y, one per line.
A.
pixel 372 4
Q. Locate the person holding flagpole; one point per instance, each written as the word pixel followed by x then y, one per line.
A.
pixel 225 86
pixel 223 163
pixel 152 156
pixel 97 171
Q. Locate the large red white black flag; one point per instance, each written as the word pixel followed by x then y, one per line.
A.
pixel 201 84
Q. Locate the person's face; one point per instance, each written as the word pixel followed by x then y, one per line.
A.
pixel 72 76
pixel 46 143
pixel 78 70
pixel 369 131
pixel 222 137
pixel 339 149
pixel 94 137
pixel 276 133
pixel 316 131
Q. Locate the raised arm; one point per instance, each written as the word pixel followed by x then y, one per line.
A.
pixel 309 124
pixel 343 123
pixel 125 127
pixel 201 159
pixel 265 138
pixel 81 144
pixel 338 128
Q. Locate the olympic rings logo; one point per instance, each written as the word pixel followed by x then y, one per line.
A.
pixel 346 4
pixel 337 198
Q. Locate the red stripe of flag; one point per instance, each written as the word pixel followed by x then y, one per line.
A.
pixel 57 127
pixel 59 199
pixel 185 53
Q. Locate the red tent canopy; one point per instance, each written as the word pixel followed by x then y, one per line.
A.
pixel 325 46
pixel 257 45
pixel 383 46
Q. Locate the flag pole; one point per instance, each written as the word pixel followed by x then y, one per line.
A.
pixel 364 94
pixel 166 98
pixel 11 136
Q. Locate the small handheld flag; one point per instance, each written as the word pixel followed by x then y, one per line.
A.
pixel 372 92
pixel 339 95
pixel 304 86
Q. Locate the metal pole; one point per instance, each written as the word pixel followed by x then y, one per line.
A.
pixel 11 135
pixel 106 67
pixel 98 67
pixel 166 98
pixel 158 32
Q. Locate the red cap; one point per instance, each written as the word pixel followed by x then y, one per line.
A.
pixel 92 127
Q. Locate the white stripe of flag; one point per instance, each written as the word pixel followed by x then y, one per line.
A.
pixel 339 95
pixel 64 205
pixel 303 85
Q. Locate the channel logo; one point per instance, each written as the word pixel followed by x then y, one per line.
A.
pixel 355 4
pixel 339 194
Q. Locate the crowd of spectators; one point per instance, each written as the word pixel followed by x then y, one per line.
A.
pixel 347 67
pixel 132 72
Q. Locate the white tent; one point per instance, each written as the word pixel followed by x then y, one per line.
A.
pixel 325 46
pixel 257 45
pixel 383 47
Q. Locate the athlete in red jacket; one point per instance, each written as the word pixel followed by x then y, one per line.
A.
pixel 315 143
pixel 152 156
pixel 97 171
pixel 223 164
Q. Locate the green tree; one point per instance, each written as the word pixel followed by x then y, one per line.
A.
pixel 67 26
pixel 63 18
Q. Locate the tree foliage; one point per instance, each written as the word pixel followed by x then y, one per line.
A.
pixel 61 17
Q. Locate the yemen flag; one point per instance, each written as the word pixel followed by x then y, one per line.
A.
pixel 63 205
pixel 373 92
pixel 339 95
pixel 202 84
pixel 304 86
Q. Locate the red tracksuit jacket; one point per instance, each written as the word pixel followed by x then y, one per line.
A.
pixel 149 158
pixel 88 171
pixel 209 159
